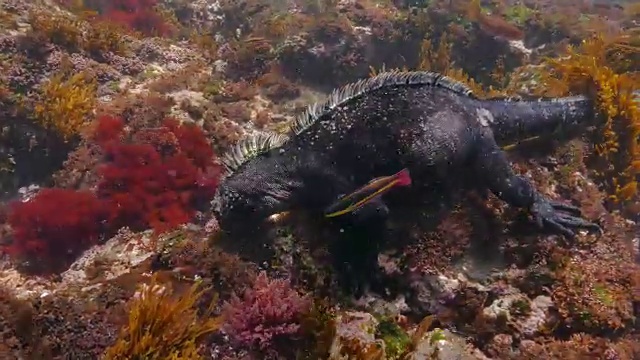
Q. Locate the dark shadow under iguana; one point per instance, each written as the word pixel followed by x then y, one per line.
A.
pixel 422 121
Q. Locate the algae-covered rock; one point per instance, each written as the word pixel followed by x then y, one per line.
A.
pixel 355 338
pixel 443 345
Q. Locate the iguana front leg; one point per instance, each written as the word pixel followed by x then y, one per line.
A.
pixel 493 167
pixel 356 245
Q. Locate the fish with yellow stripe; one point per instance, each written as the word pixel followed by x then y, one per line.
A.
pixel 367 193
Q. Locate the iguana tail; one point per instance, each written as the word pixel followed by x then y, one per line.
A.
pixel 514 121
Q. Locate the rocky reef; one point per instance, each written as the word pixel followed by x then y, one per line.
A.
pixel 114 114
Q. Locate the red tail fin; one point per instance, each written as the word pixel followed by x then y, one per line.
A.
pixel 403 177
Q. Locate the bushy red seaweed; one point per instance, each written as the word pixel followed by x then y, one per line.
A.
pixel 153 181
pixel 107 128
pixel 154 178
pixel 141 18
pixel 269 311
pixel 55 226
pixel 139 15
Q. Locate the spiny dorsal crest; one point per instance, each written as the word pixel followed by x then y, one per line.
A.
pixel 260 143
pixel 250 147
pixel 390 78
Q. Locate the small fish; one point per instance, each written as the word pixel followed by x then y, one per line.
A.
pixel 373 189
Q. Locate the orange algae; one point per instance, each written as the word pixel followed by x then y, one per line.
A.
pixel 438 58
pixel 163 326
pixel 66 103
pixel 598 67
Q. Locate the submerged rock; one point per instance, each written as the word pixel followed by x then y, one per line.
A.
pixel 441 344
pixel 355 338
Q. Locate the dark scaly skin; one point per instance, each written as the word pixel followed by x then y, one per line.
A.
pixel 435 133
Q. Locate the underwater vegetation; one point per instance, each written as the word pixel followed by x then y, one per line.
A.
pixel 66 104
pixel 265 314
pixel 163 326
pixel 114 115
pixel 96 37
pixel 143 16
pixel 43 233
pixel 601 66
pixel 154 178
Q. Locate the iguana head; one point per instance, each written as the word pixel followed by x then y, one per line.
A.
pixel 257 185
pixel 248 197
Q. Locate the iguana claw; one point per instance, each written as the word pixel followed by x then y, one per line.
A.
pixel 561 217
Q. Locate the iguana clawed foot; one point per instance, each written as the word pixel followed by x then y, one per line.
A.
pixel 561 218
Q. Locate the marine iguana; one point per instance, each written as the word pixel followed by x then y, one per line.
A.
pixel 426 122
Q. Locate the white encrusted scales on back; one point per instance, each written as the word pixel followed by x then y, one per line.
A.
pixel 259 143
pixel 351 91
pixel 250 147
